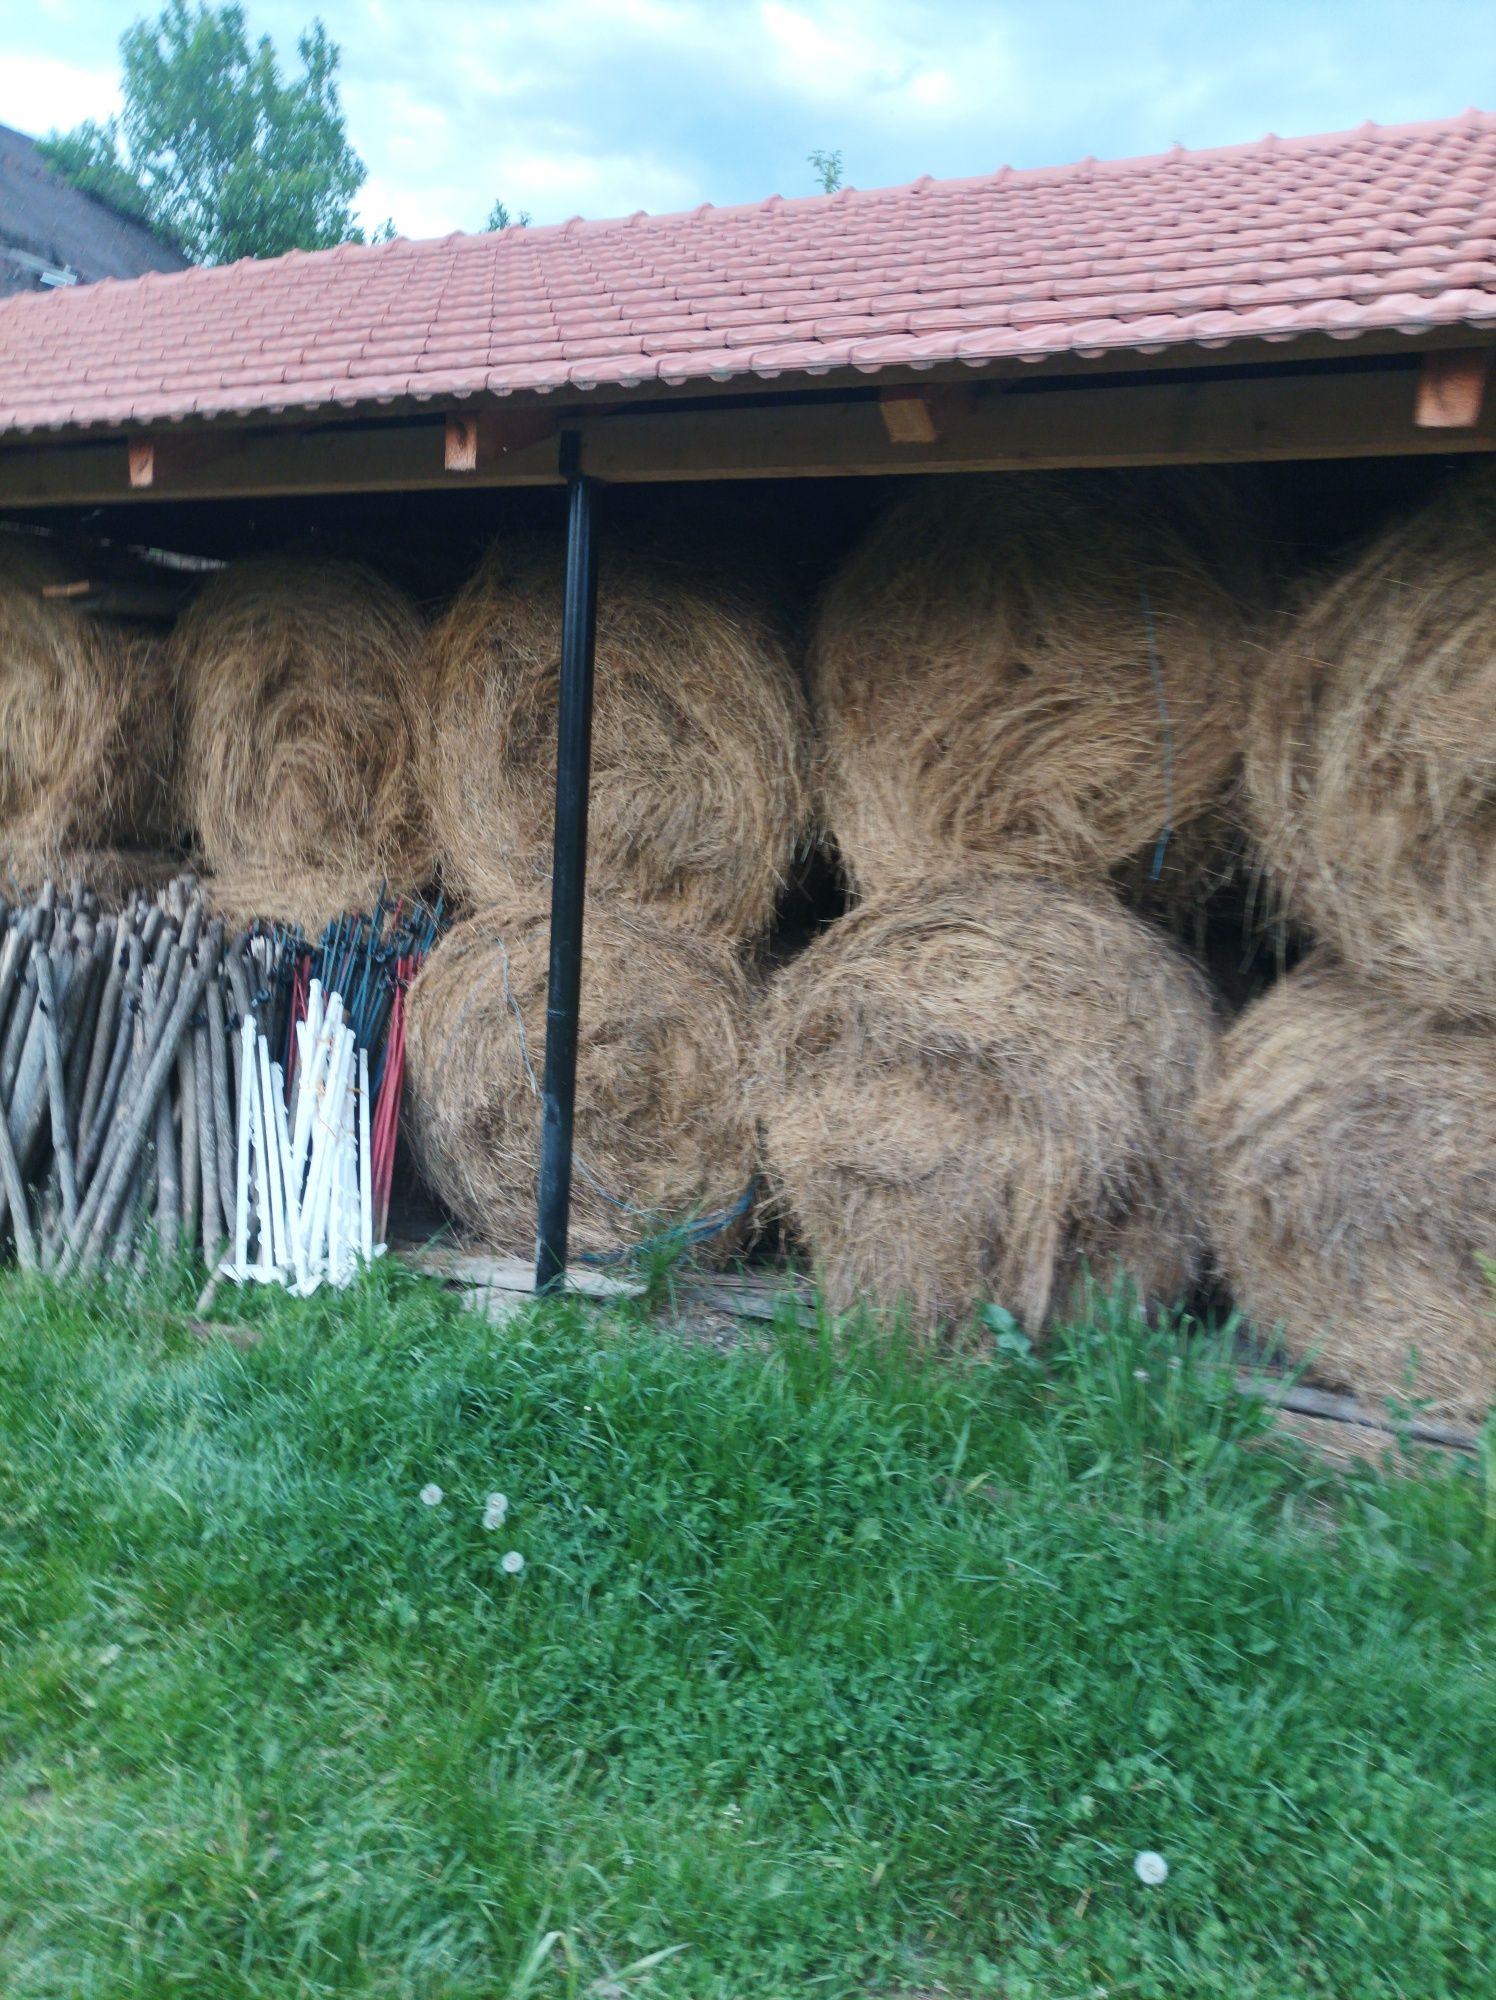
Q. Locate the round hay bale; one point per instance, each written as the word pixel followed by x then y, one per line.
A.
pixel 271 893
pixel 699 740
pixel 300 703
pixel 985 688
pixel 979 1089
pixel 662 1130
pixel 1353 1183
pixel 115 874
pixel 86 725
pixel 1371 769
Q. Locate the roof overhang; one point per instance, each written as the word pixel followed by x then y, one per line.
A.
pixel 1392 397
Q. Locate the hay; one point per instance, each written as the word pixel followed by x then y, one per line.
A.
pixel 115 874
pixel 86 731
pixel 1173 883
pixel 700 738
pixel 272 893
pixel 983 682
pixel 300 705
pixel 661 1123
pixel 975 1089
pixel 1371 764
pixel 1353 1150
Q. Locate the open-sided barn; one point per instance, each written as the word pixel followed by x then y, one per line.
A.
pixel 953 548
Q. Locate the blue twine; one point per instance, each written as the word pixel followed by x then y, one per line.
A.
pixel 1155 668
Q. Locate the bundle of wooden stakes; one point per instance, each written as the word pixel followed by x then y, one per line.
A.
pixel 129 1044
pixel 114 1075
pixel 320 1077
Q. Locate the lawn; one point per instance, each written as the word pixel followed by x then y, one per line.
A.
pixel 828 1672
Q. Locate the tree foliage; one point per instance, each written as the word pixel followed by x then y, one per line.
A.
pixel 827 168
pixel 215 146
pixel 500 218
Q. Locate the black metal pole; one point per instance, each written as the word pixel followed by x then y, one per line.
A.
pixel 568 874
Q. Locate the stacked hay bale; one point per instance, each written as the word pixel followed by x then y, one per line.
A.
pixel 980 1087
pixel 301 704
pixel 1353 1153
pixel 1352 1137
pixel 1371 769
pixel 1042 673
pixel 699 798
pixel 699 804
pixel 661 1124
pixel 978 1083
pixel 86 734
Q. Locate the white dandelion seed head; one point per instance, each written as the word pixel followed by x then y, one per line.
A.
pixel 1140 1374
pixel 512 1563
pixel 431 1496
pixel 1150 1868
pixel 495 1509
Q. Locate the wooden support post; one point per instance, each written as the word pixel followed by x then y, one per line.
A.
pixel 568 874
pixel 1452 388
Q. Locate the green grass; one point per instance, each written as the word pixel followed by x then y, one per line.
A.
pixel 829 1672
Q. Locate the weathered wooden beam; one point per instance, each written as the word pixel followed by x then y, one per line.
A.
pixel 1452 388
pixel 1202 420
pixel 404 457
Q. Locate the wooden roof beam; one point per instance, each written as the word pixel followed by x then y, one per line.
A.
pixel 1359 413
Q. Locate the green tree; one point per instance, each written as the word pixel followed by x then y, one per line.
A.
pixel 827 168
pixel 500 218
pixel 215 147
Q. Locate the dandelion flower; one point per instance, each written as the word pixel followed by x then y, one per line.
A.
pixel 431 1496
pixel 1150 1868
pixel 495 1508
pixel 1140 1374
pixel 512 1564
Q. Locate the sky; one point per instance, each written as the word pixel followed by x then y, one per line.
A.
pixel 602 107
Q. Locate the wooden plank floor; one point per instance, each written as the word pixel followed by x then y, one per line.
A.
pixel 500 1286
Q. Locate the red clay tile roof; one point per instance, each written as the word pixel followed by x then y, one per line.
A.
pixel 1384 228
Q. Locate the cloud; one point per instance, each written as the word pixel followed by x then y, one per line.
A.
pixel 575 183
pixel 605 106
pixel 38 92
pixel 877 57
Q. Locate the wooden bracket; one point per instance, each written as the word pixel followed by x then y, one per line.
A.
pixel 907 416
pixel 477 439
pixel 158 461
pixel 921 416
pixel 1452 388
